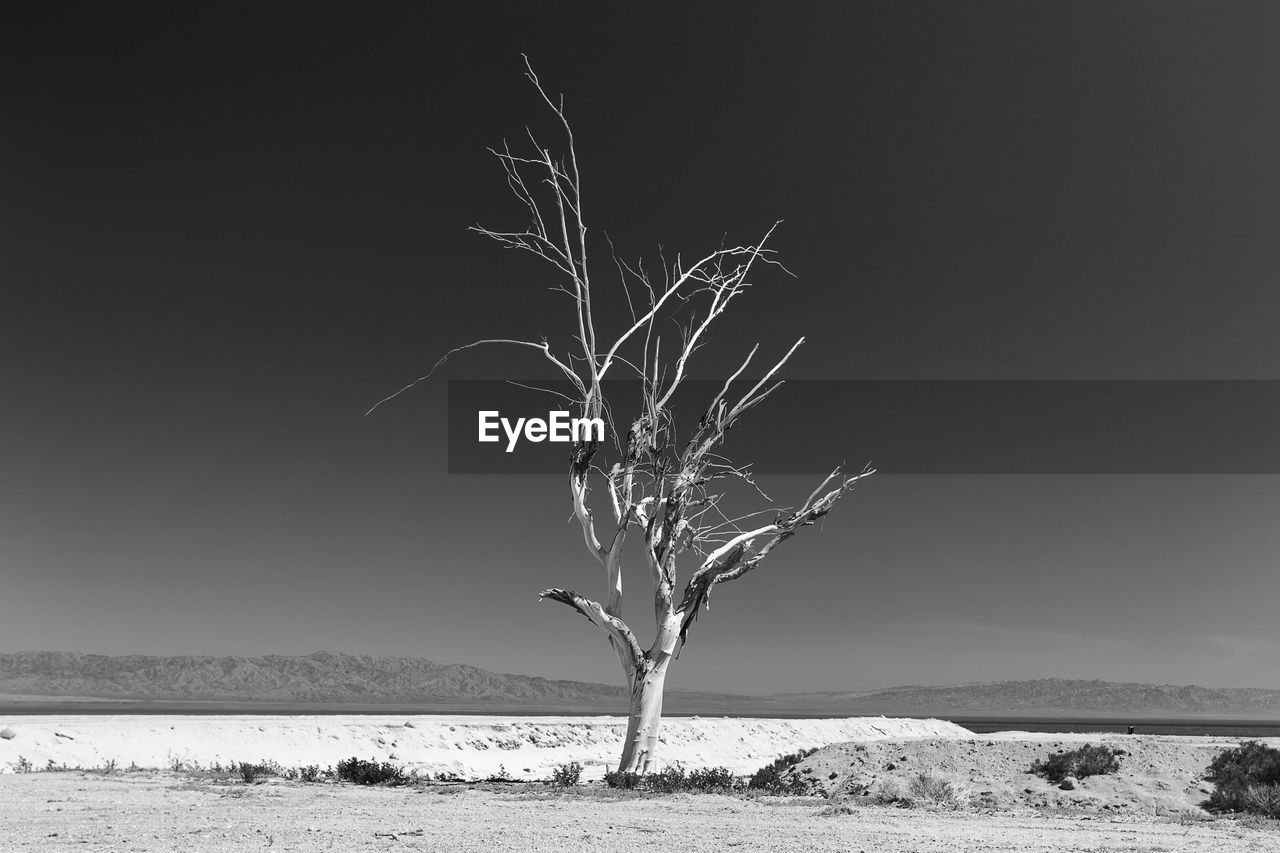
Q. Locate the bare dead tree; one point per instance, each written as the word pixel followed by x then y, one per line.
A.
pixel 667 492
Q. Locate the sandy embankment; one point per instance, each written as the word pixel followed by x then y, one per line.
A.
pixel 469 746
pixel 1158 774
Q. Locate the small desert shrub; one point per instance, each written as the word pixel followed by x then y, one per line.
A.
pixel 22 765
pixel 309 773
pixel 1246 778
pixel 675 779
pixel 567 775
pixel 837 810
pixel 623 780
pixel 930 790
pixel 888 792
pixel 1088 760
pixel 248 772
pixel 252 772
pixel 710 780
pixel 669 780
pixel 774 777
pixel 363 772
pixel 1263 800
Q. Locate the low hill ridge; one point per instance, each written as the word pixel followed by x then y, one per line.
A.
pixel 1055 694
pixel 340 678
pixel 322 677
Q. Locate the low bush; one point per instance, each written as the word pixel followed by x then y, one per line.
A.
pixel 888 792
pixel 711 780
pixel 250 772
pixel 673 780
pixel 1263 800
pixel 567 775
pixel 668 780
pixel 1088 760
pixel 363 772
pixel 622 780
pixel 929 790
pixel 1246 778
pixel 775 778
pixel 309 773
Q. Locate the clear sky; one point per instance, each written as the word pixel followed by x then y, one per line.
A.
pixel 225 232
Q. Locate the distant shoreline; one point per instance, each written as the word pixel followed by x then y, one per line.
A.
pixel 1030 721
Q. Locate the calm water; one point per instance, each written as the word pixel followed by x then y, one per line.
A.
pixel 1143 726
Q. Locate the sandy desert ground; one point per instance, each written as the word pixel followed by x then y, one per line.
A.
pixel 159 812
pixel 1151 805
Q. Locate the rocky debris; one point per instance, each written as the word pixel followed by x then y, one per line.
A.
pixel 8 734
pixel 1069 783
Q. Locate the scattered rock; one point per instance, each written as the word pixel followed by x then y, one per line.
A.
pixel 8 734
pixel 1069 783
pixel 60 734
pixel 409 725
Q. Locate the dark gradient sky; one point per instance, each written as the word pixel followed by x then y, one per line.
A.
pixel 226 230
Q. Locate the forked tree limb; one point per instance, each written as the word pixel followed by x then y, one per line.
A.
pixel 544 347
pixel 737 557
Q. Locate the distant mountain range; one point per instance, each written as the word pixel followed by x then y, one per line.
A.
pixel 1051 695
pixel 325 678
pixel 330 678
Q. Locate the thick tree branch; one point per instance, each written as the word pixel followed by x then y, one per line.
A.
pixel 736 557
pixel 596 615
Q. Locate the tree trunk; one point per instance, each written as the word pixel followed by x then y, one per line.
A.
pixel 640 750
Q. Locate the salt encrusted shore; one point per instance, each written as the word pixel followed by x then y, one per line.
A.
pixel 465 745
